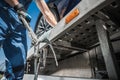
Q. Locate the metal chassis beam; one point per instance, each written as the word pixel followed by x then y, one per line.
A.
pixel 86 7
pixel 107 51
pixel 69 48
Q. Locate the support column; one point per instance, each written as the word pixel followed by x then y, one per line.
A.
pixel 107 51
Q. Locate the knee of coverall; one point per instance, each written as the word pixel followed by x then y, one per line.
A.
pixel 68 4
pixel 71 5
pixel 61 4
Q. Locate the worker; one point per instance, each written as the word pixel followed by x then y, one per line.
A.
pixel 13 34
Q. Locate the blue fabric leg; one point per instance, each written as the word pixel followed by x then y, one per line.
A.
pixel 14 41
pixel 9 72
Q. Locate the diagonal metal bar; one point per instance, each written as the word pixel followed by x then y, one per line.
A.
pixel 107 51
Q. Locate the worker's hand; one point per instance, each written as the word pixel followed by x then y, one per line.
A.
pixel 22 12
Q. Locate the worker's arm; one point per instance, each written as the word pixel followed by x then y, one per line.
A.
pixel 46 12
pixel 19 8
pixel 12 2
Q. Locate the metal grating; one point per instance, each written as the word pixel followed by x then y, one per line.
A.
pixel 85 34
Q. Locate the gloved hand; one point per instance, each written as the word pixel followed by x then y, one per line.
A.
pixel 21 11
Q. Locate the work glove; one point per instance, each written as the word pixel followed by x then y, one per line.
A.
pixel 22 12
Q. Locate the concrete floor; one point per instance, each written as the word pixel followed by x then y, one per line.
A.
pixel 31 77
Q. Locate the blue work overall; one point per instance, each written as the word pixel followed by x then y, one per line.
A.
pixel 13 40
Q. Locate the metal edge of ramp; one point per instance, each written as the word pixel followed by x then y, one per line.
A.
pixel 86 7
pixel 41 77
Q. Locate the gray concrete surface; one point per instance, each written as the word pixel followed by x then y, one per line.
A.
pixel 31 77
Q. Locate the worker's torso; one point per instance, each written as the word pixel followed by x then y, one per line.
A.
pixel 62 4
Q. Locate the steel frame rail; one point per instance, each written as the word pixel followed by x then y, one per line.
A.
pixel 86 8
